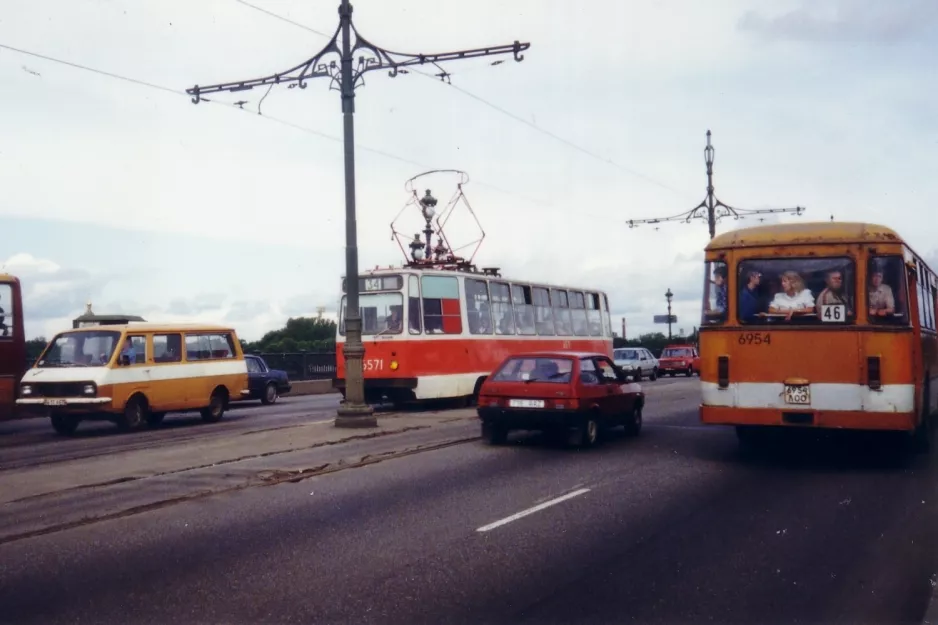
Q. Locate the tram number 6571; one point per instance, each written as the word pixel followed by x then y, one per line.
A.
pixel 755 338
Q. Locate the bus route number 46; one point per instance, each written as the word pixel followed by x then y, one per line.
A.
pixel 833 313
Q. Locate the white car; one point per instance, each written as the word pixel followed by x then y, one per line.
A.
pixel 637 362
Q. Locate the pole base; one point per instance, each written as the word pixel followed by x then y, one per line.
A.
pixel 355 416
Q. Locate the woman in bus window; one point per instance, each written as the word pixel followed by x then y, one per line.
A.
pixel 882 301
pixel 793 298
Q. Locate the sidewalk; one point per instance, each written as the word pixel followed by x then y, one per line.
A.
pixel 45 498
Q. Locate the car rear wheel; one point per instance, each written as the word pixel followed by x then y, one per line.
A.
pixel 587 433
pixel 654 374
pixel 270 394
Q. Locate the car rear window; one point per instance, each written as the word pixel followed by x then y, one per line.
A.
pixel 677 353
pixel 535 369
pixel 625 354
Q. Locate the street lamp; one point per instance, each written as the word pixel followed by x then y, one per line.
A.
pixel 668 296
pixel 428 208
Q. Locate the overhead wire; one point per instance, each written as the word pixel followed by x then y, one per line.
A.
pixel 283 122
pixel 495 107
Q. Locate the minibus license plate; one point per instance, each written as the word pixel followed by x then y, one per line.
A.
pixel 54 402
pixel 797 394
pixel 526 403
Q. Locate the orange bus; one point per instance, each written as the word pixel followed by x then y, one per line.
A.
pixel 433 333
pixel 825 325
pixel 12 343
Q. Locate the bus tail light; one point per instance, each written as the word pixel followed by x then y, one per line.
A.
pixel 723 371
pixel 872 373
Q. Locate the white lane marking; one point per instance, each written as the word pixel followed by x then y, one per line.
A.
pixel 536 508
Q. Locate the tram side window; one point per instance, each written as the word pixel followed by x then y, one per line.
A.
pixel 440 296
pixel 413 304
pixel 523 304
pixel 716 292
pixel 593 315
pixel 477 307
pixel 607 321
pixel 501 308
pixel 796 291
pixel 578 313
pixel 886 290
pixel 543 319
pixel 6 311
pixel 561 305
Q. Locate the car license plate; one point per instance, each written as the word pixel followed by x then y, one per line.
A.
pixel 797 394
pixel 53 402
pixel 526 403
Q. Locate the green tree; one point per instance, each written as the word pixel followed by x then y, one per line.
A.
pixel 35 346
pixel 300 334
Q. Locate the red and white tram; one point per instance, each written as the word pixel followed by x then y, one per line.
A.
pixel 432 333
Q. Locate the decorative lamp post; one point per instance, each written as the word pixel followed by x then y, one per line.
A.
pixel 428 208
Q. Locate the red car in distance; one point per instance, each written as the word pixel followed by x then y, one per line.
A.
pixel 558 392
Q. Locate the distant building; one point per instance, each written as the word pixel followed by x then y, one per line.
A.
pixel 90 318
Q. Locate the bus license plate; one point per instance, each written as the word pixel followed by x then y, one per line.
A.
pixel 526 403
pixel 53 402
pixel 797 394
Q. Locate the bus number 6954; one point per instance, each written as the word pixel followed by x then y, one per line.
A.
pixel 755 338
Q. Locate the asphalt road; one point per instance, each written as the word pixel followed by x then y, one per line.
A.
pixel 674 526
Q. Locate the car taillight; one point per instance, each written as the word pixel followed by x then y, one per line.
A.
pixel 488 400
pixel 872 373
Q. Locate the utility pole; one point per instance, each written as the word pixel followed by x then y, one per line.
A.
pixel 353 412
pixel 712 209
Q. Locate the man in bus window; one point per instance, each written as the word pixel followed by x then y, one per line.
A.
pixel 129 351
pixel 4 331
pixel 719 282
pixel 882 301
pixel 834 293
pixel 749 297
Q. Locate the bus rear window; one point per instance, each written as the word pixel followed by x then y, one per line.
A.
pixel 539 369
pixel 796 291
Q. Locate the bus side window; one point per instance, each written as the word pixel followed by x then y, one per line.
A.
pixel 561 305
pixel 167 348
pixel 477 307
pixel 593 315
pixel 441 310
pixel 886 291
pixel 413 304
pixel 501 308
pixel 543 319
pixel 523 305
pixel 578 313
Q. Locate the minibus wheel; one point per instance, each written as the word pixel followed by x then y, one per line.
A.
pixel 135 413
pixel 216 406
pixel 64 424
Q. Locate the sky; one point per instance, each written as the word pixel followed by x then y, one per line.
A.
pixel 135 199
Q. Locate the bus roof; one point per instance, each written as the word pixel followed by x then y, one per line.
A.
pixel 153 327
pixel 805 234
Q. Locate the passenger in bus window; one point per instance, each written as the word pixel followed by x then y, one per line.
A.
pixel 882 302
pixel 719 284
pixel 834 293
pixel 793 298
pixel 4 330
pixel 749 296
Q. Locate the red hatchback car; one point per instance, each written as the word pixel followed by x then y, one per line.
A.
pixel 559 391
